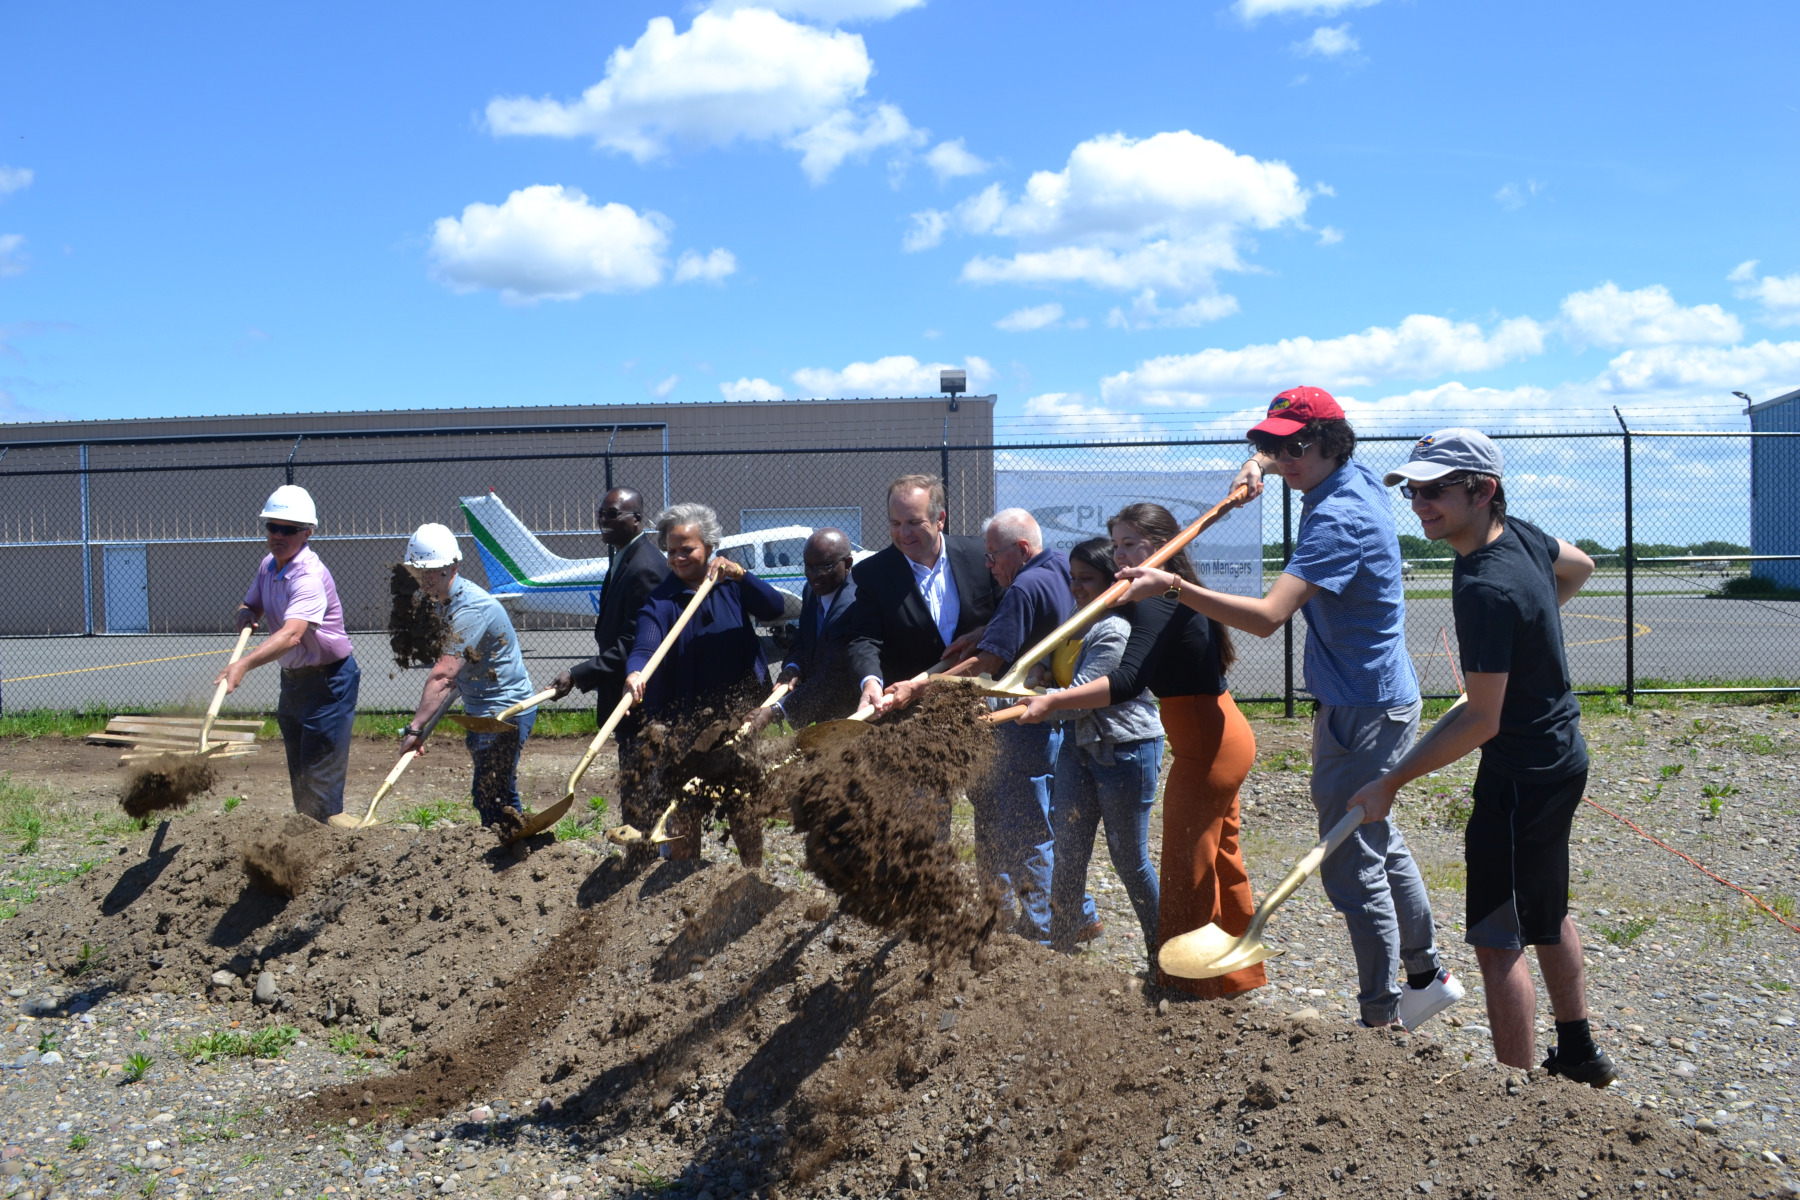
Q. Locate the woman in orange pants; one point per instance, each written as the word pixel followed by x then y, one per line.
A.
pixel 1182 657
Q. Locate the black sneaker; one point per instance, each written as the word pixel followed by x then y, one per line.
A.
pixel 1598 1071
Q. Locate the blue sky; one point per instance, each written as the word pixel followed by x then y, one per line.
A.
pixel 1115 216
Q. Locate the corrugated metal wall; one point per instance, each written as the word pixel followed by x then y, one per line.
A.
pixel 1775 488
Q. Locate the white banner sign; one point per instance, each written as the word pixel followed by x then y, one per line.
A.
pixel 1073 506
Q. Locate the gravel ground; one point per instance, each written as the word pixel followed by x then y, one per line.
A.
pixel 1693 990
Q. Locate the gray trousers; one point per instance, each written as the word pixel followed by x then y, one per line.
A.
pixel 1372 879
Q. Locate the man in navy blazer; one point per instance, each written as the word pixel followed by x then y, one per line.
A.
pixel 924 599
pixel 818 662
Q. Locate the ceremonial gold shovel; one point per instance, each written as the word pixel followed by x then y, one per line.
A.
pixel 1209 951
pixel 1013 682
pixel 538 822
pixel 501 722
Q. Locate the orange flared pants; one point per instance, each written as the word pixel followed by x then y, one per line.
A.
pixel 1203 877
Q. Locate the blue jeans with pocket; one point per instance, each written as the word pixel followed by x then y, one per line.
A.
pixel 1372 878
pixel 1014 843
pixel 496 759
pixel 1089 793
pixel 316 711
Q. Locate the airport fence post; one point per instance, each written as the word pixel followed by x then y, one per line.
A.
pixel 87 550
pixel 1287 629
pixel 1630 574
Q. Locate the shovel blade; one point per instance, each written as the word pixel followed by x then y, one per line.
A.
pixel 624 835
pixel 987 685
pixel 536 823
pixel 830 735
pixel 344 821
pixel 482 724
pixel 1207 952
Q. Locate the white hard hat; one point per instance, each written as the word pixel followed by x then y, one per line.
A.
pixel 290 502
pixel 432 545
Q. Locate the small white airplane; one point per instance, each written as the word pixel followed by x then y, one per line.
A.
pixel 526 577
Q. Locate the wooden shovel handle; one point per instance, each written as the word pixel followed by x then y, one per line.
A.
pixel 507 714
pixel 868 710
pixel 1091 611
pixel 212 711
pixel 387 785
pixel 1004 715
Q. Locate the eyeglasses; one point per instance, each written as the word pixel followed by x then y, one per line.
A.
pixel 1431 491
pixel 1292 448
pixel 824 567
pixel 613 514
pixel 280 530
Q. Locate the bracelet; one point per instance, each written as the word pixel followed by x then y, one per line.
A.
pixel 1174 592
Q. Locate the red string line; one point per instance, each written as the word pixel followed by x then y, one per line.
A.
pixel 1696 865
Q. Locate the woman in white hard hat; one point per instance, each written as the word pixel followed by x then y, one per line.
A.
pixel 481 661
pixel 319 676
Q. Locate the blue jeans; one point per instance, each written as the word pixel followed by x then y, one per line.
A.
pixel 496 758
pixel 1014 844
pixel 1372 878
pixel 1088 793
pixel 316 710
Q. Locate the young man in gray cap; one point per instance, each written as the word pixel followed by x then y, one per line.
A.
pixel 1509 582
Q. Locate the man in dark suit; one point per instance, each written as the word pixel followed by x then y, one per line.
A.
pixel 637 567
pixel 818 662
pixel 924 599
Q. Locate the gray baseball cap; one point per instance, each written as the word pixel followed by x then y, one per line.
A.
pixel 1449 452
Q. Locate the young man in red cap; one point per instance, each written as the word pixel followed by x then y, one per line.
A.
pixel 1345 577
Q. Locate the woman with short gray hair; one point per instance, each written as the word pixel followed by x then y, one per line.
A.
pixel 717 661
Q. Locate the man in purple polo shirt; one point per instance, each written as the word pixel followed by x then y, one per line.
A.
pixel 319 677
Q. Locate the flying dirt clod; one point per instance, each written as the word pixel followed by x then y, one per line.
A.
pixel 166 783
pixel 417 631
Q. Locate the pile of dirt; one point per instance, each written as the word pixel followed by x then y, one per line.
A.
pixel 768 1045
pixel 279 864
pixel 417 632
pixel 876 814
pixel 165 783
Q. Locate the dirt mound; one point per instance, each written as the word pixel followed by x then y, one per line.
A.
pixel 165 783
pixel 758 1043
pixel 417 631
pixel 876 812
pixel 281 864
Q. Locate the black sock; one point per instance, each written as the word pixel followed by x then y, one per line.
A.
pixel 1574 1041
pixel 1420 979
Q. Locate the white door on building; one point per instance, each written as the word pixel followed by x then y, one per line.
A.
pixel 127 576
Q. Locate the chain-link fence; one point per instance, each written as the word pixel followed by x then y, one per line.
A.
pixel 121 564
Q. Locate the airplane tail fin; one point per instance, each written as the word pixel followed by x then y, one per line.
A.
pixel 510 552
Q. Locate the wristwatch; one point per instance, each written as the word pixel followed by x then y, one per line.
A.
pixel 1174 592
pixel 410 732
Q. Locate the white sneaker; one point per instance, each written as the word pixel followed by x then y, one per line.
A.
pixel 1419 1005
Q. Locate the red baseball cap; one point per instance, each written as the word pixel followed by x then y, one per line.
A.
pixel 1290 411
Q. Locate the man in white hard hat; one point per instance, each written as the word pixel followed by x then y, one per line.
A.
pixel 481 660
pixel 297 597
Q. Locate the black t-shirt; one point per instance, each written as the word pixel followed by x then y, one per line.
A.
pixel 1504 598
pixel 1171 652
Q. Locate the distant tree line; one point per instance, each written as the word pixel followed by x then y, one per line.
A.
pixel 1414 548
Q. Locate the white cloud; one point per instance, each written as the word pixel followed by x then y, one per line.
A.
pixel 927 230
pixel 1328 41
pixel 1073 409
pixel 844 134
pixel 1146 313
pixel 1167 212
pixel 1420 347
pixel 549 243
pixel 1330 236
pixel 1710 369
pixel 662 388
pixel 14 179
pixel 895 375
pixel 1252 10
pixel 746 73
pixel 1607 316
pixel 829 12
pixel 1779 294
pixel 12 258
pixel 1513 197
pixel 752 389
pixel 948 160
pixel 1025 320
pixel 710 268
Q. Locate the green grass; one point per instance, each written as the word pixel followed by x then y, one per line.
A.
pixel 231 802
pixel 137 1066
pixel 1783 904
pixel 24 811
pixel 1288 760
pixel 573 829
pixel 1671 770
pixel 25 884
pixel 264 1043
pixel 53 722
pixel 1752 587
pixel 1446 876
pixel 435 813
pixel 1628 931
pixel 91 958
pixel 80 1141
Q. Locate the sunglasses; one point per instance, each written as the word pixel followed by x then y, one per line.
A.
pixel 823 568
pixel 280 530
pixel 1292 448
pixel 1431 491
pixel 613 514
